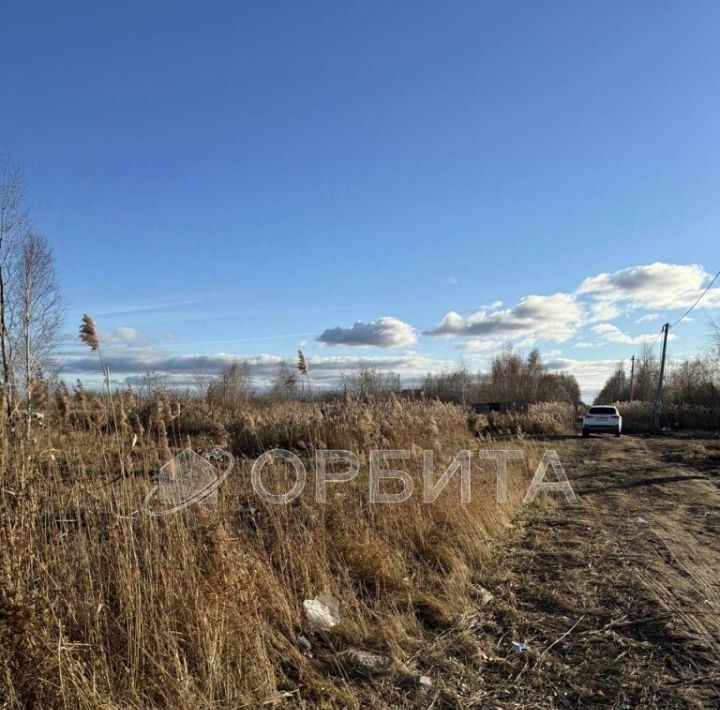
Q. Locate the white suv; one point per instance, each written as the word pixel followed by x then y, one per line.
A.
pixel 602 418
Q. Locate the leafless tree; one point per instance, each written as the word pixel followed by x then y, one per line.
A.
pixel 201 377
pixel 284 383
pixel 451 385
pixel 151 383
pixel 715 340
pixel 233 384
pixel 13 225
pixel 35 311
pixel 370 383
pixel 512 378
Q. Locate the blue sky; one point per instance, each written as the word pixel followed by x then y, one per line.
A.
pixel 236 179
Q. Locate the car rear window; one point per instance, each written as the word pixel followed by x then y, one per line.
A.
pixel 602 410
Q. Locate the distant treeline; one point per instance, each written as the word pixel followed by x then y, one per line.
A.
pixel 695 381
pixel 511 378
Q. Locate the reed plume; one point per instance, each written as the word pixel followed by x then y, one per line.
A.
pixel 62 400
pixel 302 365
pixel 88 333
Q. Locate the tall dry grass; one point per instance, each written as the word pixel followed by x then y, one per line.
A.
pixel 103 606
pixel 541 419
pixel 638 416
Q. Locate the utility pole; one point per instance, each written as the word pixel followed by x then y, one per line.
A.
pixel 632 376
pixel 658 395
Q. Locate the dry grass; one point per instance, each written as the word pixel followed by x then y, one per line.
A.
pixel 638 416
pixel 541 419
pixel 103 606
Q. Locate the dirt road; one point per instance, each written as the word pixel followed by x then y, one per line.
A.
pixel 613 601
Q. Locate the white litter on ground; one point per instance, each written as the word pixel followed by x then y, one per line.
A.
pixel 322 613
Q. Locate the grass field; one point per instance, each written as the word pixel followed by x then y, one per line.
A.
pixel 102 605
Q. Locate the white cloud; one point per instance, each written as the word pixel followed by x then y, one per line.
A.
pixel 591 374
pixel 651 286
pixel 122 339
pixel 481 345
pixel 124 334
pixel 613 334
pixel 182 370
pixel 554 317
pixel 648 318
pixel 590 310
pixel 385 332
pixel 452 280
pixel 601 310
pixel 409 364
pixel 598 299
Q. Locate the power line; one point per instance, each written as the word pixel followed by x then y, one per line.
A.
pixel 657 337
pixel 665 330
pixel 699 298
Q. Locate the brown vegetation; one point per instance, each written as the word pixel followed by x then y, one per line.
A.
pixel 691 393
pixel 102 605
pixel 511 378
